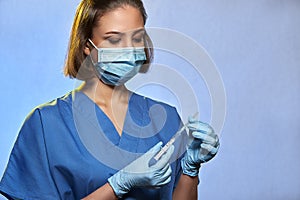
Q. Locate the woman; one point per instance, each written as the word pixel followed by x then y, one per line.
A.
pixel 51 158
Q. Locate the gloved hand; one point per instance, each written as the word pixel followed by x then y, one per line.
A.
pixel 204 147
pixel 139 174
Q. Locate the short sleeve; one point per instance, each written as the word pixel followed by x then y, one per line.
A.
pixel 27 175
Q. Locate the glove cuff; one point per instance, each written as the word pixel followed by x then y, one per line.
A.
pixel 119 189
pixel 188 169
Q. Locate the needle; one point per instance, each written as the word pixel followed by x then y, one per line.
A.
pixel 154 160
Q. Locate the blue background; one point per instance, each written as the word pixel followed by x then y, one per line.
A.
pixel 255 45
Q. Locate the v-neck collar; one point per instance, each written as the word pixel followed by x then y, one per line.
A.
pixel 135 111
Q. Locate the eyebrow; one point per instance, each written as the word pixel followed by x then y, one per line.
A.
pixel 112 32
pixel 139 31
pixel 121 33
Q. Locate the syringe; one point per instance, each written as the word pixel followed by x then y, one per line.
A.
pixel 163 150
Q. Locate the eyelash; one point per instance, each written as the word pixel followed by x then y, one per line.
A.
pixel 115 41
pixel 138 40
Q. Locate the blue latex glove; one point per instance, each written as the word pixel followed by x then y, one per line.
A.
pixel 139 174
pixel 204 147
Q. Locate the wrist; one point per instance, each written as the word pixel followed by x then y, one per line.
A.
pixel 191 170
pixel 118 185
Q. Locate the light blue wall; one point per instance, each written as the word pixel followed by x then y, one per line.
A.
pixel 256 47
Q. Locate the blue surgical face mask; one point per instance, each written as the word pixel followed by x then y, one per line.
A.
pixel 115 66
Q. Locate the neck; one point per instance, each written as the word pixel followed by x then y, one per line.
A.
pixel 104 95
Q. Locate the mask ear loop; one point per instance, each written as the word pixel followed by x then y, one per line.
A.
pixel 93 44
pixel 94 63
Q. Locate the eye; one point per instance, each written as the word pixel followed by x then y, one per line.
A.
pixel 138 39
pixel 113 40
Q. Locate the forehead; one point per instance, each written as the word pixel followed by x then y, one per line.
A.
pixel 122 19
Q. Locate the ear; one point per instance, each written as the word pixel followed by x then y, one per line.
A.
pixel 86 50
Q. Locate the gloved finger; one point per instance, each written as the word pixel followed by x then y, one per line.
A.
pixel 165 182
pixel 192 119
pixel 211 149
pixel 154 150
pixel 195 144
pixel 216 139
pixel 160 175
pixel 165 172
pixel 205 138
pixel 200 126
pixel 164 175
pixel 164 160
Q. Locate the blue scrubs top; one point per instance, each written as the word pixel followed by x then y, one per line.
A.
pixel 51 159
